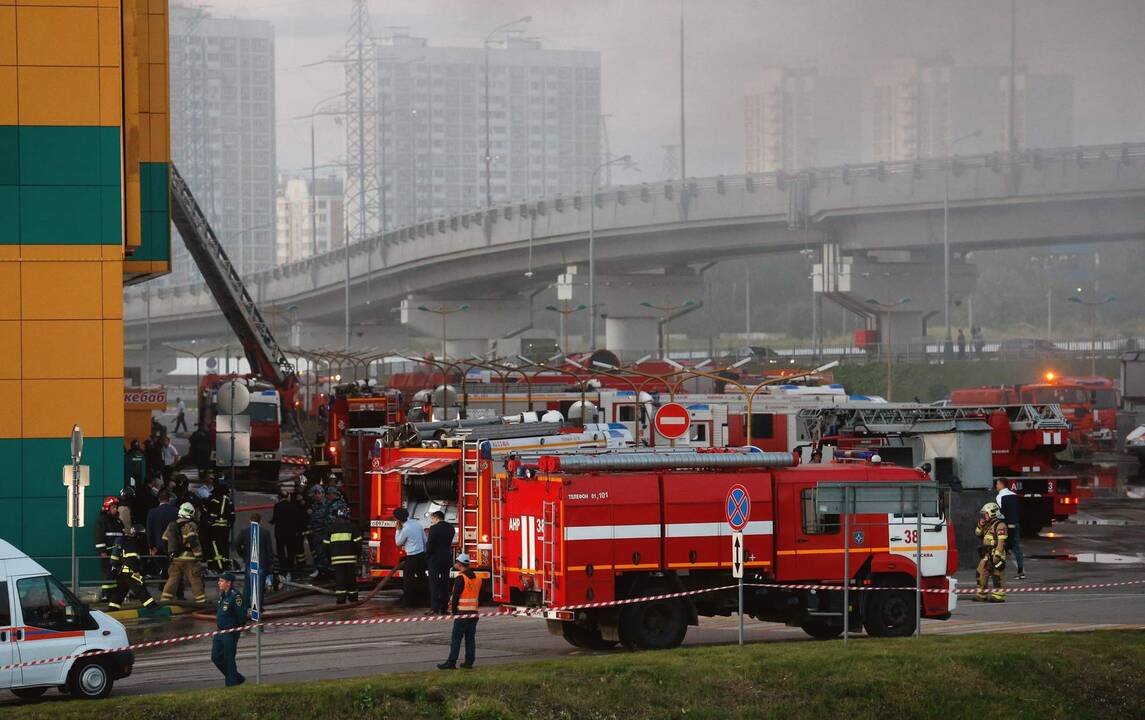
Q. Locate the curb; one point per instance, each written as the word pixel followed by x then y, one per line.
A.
pixel 136 613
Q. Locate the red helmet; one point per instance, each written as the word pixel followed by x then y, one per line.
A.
pixel 109 503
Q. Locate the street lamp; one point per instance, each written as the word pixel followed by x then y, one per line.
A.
pixel 444 312
pixel 313 167
pixel 1092 305
pixel 488 149
pixel 669 311
pixel 197 355
pixel 948 343
pixel 592 247
pixel 565 311
pixel 890 349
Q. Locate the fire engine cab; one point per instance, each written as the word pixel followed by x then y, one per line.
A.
pixel 594 528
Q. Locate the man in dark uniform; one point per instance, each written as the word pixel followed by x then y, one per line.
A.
pixel 219 516
pixel 230 612
pixel 108 533
pixel 127 560
pixel 343 547
pixel 135 465
pixel 439 553
pixel 289 522
pixel 201 450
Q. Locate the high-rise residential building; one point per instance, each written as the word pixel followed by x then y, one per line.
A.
pixel 308 223
pixel 222 131
pixel 919 106
pixel 544 124
pixel 795 118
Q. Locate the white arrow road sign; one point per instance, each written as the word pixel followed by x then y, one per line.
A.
pixel 737 555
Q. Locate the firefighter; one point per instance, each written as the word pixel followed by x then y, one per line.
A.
pixel 218 516
pixel 992 553
pixel 182 539
pixel 108 533
pixel 127 559
pixel 343 547
pixel 463 604
pixel 316 532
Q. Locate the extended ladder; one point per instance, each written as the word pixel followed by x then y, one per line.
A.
pixel 496 566
pixel 903 417
pixel 470 483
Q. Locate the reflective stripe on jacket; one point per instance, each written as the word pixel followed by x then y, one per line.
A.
pixel 344 543
pixel 470 594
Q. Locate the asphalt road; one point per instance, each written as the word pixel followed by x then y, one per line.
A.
pixel 1103 546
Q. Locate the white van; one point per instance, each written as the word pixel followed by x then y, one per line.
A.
pixel 41 619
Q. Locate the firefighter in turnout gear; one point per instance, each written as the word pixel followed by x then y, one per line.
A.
pixel 108 533
pixel 218 517
pixel 182 539
pixel 127 560
pixel 992 553
pixel 343 547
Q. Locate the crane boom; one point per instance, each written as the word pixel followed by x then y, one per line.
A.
pixel 242 314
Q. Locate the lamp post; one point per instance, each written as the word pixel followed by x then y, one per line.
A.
pixel 668 311
pixel 488 148
pixel 1092 305
pixel 197 355
pixel 444 313
pixel 948 342
pixel 890 348
pixel 314 167
pixel 592 247
pixel 565 311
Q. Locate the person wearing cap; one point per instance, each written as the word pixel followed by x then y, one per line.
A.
pixel 463 605
pixel 182 539
pixel 411 538
pixel 230 612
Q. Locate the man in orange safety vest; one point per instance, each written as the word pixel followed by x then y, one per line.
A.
pixel 463 604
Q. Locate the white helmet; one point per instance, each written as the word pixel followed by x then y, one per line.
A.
pixel 186 510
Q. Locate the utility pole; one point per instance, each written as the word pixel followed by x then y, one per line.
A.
pixel 683 133
pixel 1013 124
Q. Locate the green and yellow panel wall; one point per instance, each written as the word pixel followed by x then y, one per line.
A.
pixel 83 209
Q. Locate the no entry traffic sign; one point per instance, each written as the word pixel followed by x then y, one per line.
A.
pixel 672 420
pixel 738 507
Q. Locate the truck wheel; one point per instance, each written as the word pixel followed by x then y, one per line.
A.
pixel 89 680
pixel 890 613
pixel 655 625
pixel 821 629
pixel 584 637
pixel 32 693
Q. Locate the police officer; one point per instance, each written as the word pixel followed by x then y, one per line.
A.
pixel 108 533
pixel 219 516
pixel 992 553
pixel 343 547
pixel 127 559
pixel 463 604
pixel 316 528
pixel 230 612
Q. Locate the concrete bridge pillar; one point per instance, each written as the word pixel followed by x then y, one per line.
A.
pixel 638 309
pixel 467 326
pixel 900 292
pixel 631 337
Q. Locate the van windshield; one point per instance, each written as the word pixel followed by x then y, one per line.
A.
pixel 45 603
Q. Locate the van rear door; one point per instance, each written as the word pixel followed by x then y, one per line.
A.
pixel 7 643
pixel 50 622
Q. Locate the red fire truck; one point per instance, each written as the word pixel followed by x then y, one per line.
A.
pixel 598 528
pixel 1090 404
pixel 359 406
pixel 265 416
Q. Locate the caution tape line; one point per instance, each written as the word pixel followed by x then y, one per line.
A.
pixel 540 612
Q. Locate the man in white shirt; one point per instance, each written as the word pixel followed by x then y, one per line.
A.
pixel 411 538
pixel 170 458
pixel 181 415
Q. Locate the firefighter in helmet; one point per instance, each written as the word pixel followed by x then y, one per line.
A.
pixel 108 533
pixel 343 543
pixel 127 561
pixel 991 553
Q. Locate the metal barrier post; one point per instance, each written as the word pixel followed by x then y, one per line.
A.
pixel 741 609
pixel 846 563
pixel 918 562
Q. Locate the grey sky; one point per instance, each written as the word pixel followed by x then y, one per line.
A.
pixel 1096 41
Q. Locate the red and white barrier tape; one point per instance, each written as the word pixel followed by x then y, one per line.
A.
pixel 295 460
pixel 536 612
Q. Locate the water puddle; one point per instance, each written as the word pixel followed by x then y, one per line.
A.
pixel 1096 558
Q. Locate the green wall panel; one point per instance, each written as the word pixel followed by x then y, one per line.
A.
pixel 9 215
pixel 9 155
pixel 11 479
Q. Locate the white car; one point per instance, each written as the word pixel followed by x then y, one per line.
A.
pixel 40 619
pixel 1135 442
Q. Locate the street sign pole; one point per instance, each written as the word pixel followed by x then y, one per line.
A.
pixel 233 482
pixel 74 495
pixel 737 573
pixel 254 580
pixel 737 509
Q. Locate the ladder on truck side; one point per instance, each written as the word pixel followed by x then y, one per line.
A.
pixel 470 491
pixel 907 418
pixel 549 532
pixel 263 354
pixel 496 566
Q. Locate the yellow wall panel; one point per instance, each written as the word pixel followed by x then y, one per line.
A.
pixel 9 350
pixel 62 349
pixel 157 79
pixel 110 97
pixel 156 7
pixel 110 48
pixel 160 139
pixel 58 95
pixel 7 35
pixel 109 3
pixel 157 39
pixel 9 290
pixel 9 109
pixel 143 82
pixel 112 291
pixel 113 407
pixel 59 404
pixel 113 349
pixel 60 252
pixel 10 409
pixel 60 3
pixel 61 290
pixel 58 36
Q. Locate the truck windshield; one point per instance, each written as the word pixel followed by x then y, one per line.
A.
pixel 1105 399
pixel 1060 396
pixel 263 412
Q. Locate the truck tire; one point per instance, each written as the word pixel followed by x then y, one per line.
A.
pixel 890 613
pixel 821 629
pixel 655 625
pixel 584 637
pixel 90 680
pixel 30 693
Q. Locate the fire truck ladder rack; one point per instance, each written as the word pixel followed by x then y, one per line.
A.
pixel 668 461
pixel 496 568
pixel 907 418
pixel 470 492
pixel 549 532
pixel 226 286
